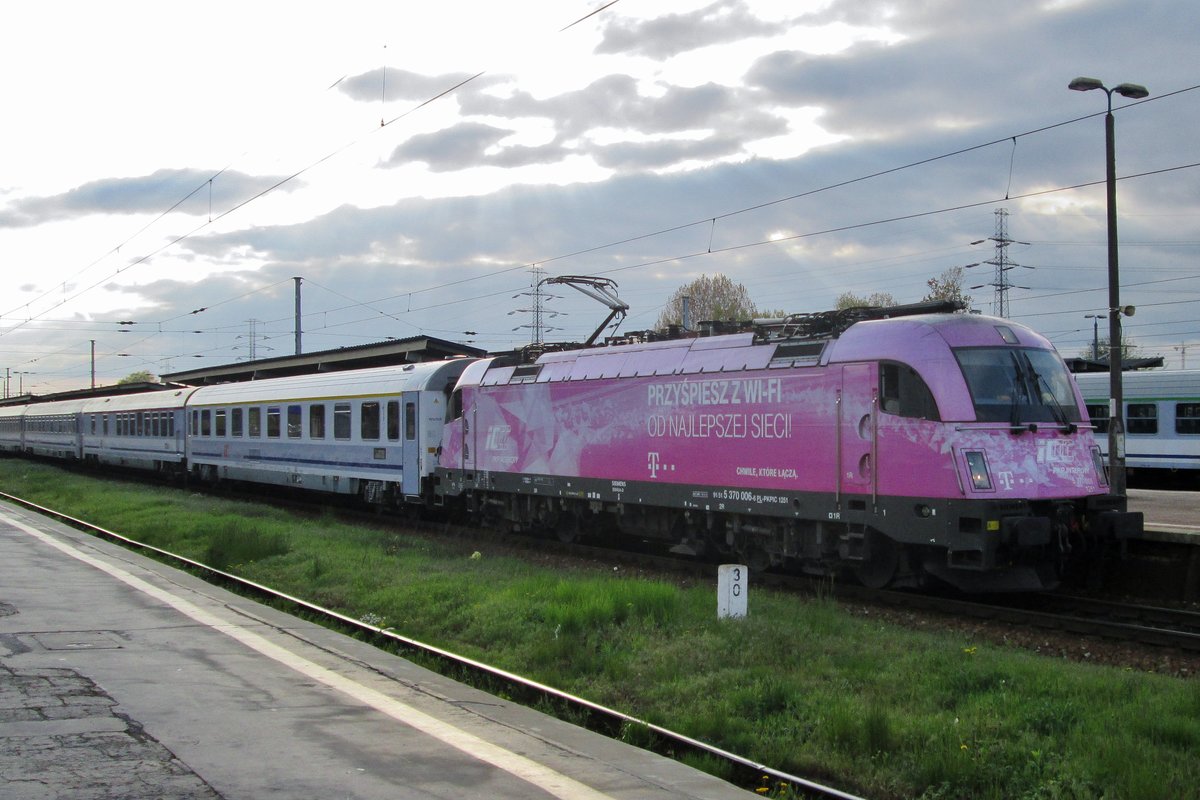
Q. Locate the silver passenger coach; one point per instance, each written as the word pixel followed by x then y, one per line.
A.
pixel 372 433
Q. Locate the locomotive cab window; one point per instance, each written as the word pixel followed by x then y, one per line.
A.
pixel 904 393
pixel 1018 385
pixel 454 409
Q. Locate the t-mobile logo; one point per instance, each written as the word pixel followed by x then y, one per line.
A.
pixel 653 464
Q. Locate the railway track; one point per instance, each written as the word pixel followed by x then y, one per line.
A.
pixel 1135 623
pixel 1144 624
pixel 600 718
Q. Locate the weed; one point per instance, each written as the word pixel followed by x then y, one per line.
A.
pixel 802 685
pixel 241 543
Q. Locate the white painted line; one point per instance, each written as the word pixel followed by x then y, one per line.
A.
pixel 526 769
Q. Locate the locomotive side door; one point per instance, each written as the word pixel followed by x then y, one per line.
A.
pixel 857 426
pixel 468 437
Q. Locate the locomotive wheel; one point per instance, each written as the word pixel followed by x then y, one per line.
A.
pixel 568 527
pixel 878 569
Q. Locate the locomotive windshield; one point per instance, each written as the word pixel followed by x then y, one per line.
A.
pixel 1018 385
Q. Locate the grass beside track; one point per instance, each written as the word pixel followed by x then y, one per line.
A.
pixel 801 685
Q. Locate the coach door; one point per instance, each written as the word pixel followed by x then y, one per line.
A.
pixel 410 444
pixel 857 425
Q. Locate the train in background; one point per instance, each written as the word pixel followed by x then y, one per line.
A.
pixel 1162 417
pixel 903 445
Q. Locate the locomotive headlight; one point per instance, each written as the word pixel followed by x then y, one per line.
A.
pixel 1098 461
pixel 977 466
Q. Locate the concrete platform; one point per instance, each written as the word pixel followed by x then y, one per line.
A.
pixel 1172 516
pixel 123 678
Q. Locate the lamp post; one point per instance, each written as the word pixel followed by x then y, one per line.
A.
pixel 1116 403
pixel 1095 318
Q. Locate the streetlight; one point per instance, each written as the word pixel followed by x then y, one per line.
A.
pixel 1116 403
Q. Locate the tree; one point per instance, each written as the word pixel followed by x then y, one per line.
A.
pixel 715 298
pixel 1129 349
pixel 851 300
pixel 948 286
pixel 141 376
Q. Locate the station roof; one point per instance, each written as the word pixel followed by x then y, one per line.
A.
pixel 75 394
pixel 1127 364
pixel 412 350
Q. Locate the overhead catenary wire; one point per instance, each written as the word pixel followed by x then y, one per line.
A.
pixel 211 219
pixel 708 220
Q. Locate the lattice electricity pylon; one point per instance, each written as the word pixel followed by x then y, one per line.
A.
pixel 538 327
pixel 1001 282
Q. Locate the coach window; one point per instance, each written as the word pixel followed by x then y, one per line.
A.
pixel 274 420
pixel 1187 418
pixel 220 415
pixel 369 420
pixel 254 422
pixel 1099 415
pixel 393 420
pixel 206 422
pixel 1143 418
pixel 410 421
pixel 294 422
pixel 316 421
pixel 341 421
pixel 170 423
pixel 235 422
pixel 903 392
pixel 104 424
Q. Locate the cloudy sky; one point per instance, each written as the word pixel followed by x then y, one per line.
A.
pixel 176 165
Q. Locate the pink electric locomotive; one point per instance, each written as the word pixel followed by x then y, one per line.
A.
pixel 893 442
